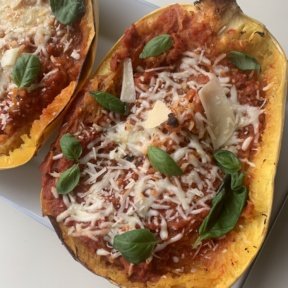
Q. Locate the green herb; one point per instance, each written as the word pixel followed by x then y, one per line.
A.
pixel 67 11
pixel 243 61
pixel 109 102
pixel 237 180
pixel 71 147
pixel 229 201
pixel 68 180
pixel 225 212
pixel 157 46
pixel 217 204
pixel 162 162
pixel 227 161
pixel 26 70
pixel 136 245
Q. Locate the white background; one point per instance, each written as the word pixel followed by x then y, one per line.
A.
pixel 31 255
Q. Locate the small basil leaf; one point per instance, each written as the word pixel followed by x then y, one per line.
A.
pixel 162 162
pixel 157 46
pixel 243 61
pixel 227 161
pixel 237 180
pixel 109 102
pixel 136 245
pixel 67 11
pixel 26 70
pixel 71 147
pixel 68 180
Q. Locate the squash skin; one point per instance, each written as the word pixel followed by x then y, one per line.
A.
pixel 225 268
pixel 52 115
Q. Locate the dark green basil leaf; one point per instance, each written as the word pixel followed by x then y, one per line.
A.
pixel 68 180
pixel 217 205
pixel 26 70
pixel 243 61
pixel 227 161
pixel 237 180
pixel 67 11
pixel 71 147
pixel 225 212
pixel 136 245
pixel 232 206
pixel 157 46
pixel 229 201
pixel 162 162
pixel 109 102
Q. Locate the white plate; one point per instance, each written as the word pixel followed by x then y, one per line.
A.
pixel 21 186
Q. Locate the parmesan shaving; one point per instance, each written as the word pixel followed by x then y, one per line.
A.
pixel 9 57
pixel 157 115
pixel 128 93
pixel 218 111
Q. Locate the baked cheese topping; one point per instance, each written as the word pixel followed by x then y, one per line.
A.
pixel 120 190
pixel 28 26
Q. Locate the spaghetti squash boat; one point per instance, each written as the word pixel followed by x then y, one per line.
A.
pixel 43 47
pixel 162 176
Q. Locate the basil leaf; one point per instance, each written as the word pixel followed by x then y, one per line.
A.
pixel 109 102
pixel 67 11
pixel 157 46
pixel 243 61
pixel 217 205
pixel 68 180
pixel 136 245
pixel 229 201
pixel 232 205
pixel 237 180
pixel 26 70
pixel 71 147
pixel 225 212
pixel 227 161
pixel 162 162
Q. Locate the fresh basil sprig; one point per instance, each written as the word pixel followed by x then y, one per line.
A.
pixel 136 245
pixel 71 147
pixel 227 161
pixel 68 180
pixel 229 201
pixel 67 11
pixel 226 209
pixel 163 162
pixel 157 46
pixel 26 70
pixel 109 102
pixel 244 61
